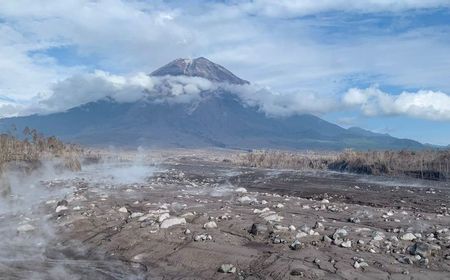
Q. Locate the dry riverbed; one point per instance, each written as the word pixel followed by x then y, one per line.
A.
pixel 191 219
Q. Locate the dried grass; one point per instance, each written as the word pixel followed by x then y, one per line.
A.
pixel 429 164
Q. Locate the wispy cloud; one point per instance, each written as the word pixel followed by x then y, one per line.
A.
pixel 289 8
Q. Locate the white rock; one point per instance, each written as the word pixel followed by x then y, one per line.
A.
pixel 25 228
pixel 408 236
pixel 163 216
pixel 241 190
pixel 246 199
pixel 292 228
pixel 318 226
pixel 273 218
pixel 257 211
pixel 378 235
pixel 301 234
pixel 137 214
pixel 280 228
pixel 169 222
pixel 325 201
pixel 123 210
pixel 346 244
pixel 211 224
pixel 279 205
pixel 60 208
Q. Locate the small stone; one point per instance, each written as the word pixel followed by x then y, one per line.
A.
pixel 276 240
pixel 279 205
pixel 295 245
pixel 61 208
pixel 327 239
pixel 305 228
pixel 346 244
pixel 123 210
pixel 297 272
pixel 273 217
pixel 338 241
pixel 187 231
pixel 354 220
pixel 137 214
pixel 340 233
pixel 280 228
pixel 227 268
pixel 318 226
pixel 246 199
pixel 408 237
pixel 258 229
pixel 25 228
pixel 241 190
pixel 378 235
pixel 163 216
pixel 404 260
pixel 363 264
pixel 211 224
pixel 169 222
pixel 292 228
pixel 424 249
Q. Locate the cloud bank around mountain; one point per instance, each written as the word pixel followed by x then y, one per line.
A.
pixel 372 101
pixel 426 104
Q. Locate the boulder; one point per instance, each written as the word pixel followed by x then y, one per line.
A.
pixel 408 236
pixel 169 222
pixel 424 249
pixel 211 224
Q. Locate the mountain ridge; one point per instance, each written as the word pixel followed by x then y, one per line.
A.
pixel 218 120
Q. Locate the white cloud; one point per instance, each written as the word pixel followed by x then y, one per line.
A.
pixel 284 104
pixel 288 8
pixel 84 88
pixel 426 104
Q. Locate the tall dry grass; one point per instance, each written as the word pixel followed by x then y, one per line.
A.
pixel 28 152
pixel 284 159
pixel 429 164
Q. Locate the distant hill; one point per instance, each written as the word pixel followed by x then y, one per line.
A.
pixel 220 119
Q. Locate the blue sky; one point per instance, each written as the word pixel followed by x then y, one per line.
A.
pixel 381 65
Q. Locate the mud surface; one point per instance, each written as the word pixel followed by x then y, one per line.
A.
pixel 185 217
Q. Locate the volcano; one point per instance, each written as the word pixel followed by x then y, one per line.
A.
pixel 218 119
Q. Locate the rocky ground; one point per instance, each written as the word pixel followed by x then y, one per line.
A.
pixel 197 219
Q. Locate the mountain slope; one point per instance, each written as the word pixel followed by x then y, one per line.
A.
pixel 219 119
